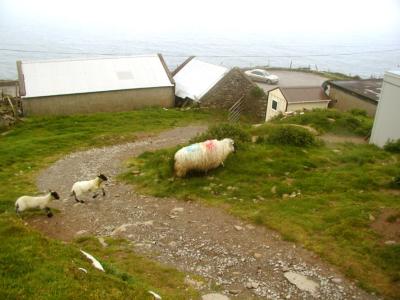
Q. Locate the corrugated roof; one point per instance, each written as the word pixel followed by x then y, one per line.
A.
pixel 196 78
pixel 304 94
pixel 75 76
pixel 368 88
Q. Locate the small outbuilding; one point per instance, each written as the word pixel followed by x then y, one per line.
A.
pixel 79 86
pixel 387 122
pixel 218 87
pixel 283 100
pixel 354 94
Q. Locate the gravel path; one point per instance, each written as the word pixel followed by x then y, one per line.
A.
pixel 244 260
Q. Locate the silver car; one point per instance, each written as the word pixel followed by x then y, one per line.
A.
pixel 262 75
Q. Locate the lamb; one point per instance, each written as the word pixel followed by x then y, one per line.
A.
pixel 202 156
pixel 82 187
pixel 26 202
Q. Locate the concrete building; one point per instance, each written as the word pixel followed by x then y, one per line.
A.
pixel 9 88
pixel 351 94
pixel 79 86
pixel 387 119
pixel 283 100
pixel 218 87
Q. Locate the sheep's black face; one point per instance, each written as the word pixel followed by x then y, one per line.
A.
pixel 102 177
pixel 55 195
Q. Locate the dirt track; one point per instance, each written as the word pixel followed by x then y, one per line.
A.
pixel 244 260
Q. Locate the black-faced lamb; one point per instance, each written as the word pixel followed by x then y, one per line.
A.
pixel 81 187
pixel 202 156
pixel 42 202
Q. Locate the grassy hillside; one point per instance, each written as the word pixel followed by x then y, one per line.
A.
pixel 325 198
pixel 35 267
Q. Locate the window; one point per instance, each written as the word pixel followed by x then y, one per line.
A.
pixel 258 73
pixel 274 104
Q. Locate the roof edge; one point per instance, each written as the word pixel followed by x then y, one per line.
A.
pixel 171 79
pixel 180 67
pixel 363 97
pixel 21 79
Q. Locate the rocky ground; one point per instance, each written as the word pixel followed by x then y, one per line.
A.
pixel 239 260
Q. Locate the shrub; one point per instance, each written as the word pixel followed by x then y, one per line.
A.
pixel 395 182
pixel 331 120
pixel 290 135
pixel 392 146
pixel 358 112
pixel 257 92
pixel 222 131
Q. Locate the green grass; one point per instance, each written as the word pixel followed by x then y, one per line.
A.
pixel 333 121
pixel 35 267
pixel 339 188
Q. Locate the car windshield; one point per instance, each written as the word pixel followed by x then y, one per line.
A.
pixel 257 73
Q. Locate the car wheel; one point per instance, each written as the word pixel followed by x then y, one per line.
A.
pixel 268 81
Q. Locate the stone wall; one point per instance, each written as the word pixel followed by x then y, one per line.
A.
pixel 231 88
pixel 344 101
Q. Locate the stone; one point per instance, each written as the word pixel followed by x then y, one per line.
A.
pixel 273 189
pixel 336 280
pixel 250 227
pixel 172 244
pixel 284 196
pixel 293 195
pixel 198 285
pixel 252 284
pixel 390 243
pixel 371 217
pixel 148 223
pixel 214 296
pixel 102 242
pixel 238 228
pixel 81 233
pixel 234 292
pixel 257 255
pixel 302 282
pixel 120 229
pixel 177 210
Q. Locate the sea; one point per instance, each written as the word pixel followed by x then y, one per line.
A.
pixel 365 55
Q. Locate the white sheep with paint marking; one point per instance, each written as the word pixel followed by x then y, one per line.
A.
pixel 42 202
pixel 203 156
pixel 82 187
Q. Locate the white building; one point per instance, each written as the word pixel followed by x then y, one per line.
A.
pixel 106 84
pixel 283 100
pixel 194 78
pixel 387 119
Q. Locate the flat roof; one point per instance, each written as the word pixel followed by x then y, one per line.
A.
pixel 304 94
pixel 76 76
pixel 195 78
pixel 367 88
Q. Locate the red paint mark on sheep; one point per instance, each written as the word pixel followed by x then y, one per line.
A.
pixel 210 145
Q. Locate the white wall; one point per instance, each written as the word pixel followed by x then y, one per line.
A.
pixel 387 118
pixel 275 95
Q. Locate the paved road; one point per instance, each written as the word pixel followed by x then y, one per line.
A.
pixel 292 78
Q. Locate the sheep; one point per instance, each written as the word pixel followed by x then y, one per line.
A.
pixel 26 202
pixel 202 156
pixel 82 187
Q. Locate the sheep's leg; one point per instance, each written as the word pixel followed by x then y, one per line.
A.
pixel 104 192
pixel 76 198
pixel 17 211
pixel 95 196
pixel 48 211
